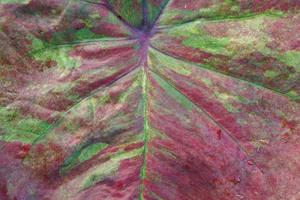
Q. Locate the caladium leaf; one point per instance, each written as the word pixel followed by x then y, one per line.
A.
pixel 149 99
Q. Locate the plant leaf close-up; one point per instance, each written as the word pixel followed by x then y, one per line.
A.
pixel 149 99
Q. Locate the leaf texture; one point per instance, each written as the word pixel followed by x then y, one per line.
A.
pixel 149 99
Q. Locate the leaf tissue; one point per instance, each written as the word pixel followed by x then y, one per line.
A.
pixel 149 99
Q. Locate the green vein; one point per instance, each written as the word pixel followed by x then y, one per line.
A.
pixel 162 78
pixel 204 67
pixel 64 114
pixel 79 42
pixel 220 19
pixel 163 6
pixel 146 129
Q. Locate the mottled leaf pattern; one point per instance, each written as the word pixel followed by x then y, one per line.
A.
pixel 149 99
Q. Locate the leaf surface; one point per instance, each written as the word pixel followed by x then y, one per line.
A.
pixel 149 99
